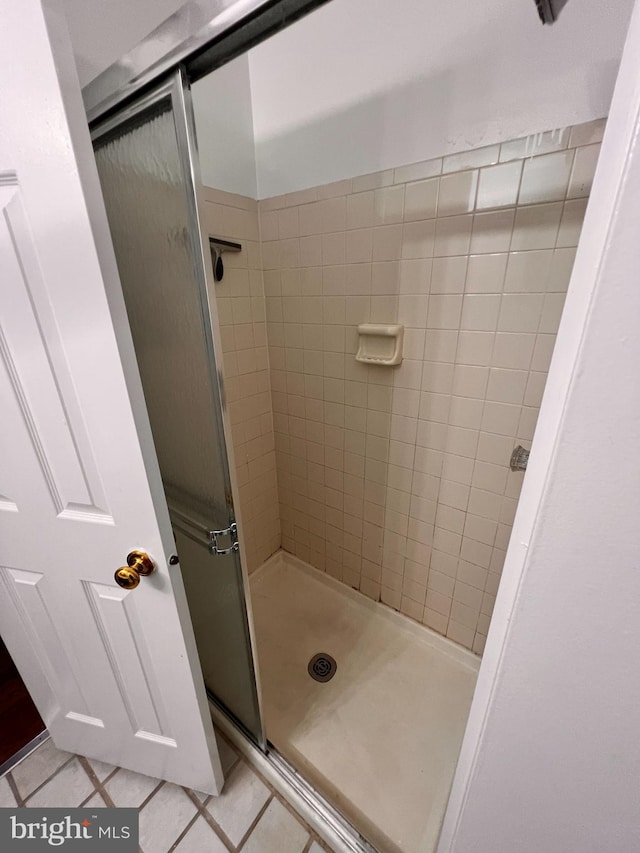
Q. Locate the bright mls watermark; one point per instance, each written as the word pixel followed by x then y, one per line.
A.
pixel 35 830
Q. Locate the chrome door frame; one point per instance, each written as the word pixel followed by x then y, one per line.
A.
pixel 202 34
pixel 175 90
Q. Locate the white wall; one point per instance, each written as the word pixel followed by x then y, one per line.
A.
pixel 224 127
pixel 356 87
pixel 351 89
pixel 551 758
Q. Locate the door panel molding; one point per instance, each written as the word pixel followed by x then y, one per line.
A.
pixel 24 589
pixel 119 627
pixel 31 348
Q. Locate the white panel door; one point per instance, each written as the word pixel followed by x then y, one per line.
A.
pixel 113 672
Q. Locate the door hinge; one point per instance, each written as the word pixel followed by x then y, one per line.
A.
pixel 216 535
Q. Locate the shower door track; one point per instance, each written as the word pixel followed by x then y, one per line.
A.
pixel 291 780
pixel 339 824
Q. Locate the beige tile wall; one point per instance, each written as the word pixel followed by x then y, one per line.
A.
pixel 241 309
pixel 396 481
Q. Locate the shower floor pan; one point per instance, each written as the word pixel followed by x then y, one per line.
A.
pixel 381 738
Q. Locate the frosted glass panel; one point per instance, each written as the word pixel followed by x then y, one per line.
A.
pixel 147 200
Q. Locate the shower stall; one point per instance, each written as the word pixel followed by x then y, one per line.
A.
pixel 341 523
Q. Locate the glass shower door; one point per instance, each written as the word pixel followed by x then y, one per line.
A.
pixel 146 170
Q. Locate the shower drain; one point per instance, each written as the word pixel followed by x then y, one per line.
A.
pixel 322 667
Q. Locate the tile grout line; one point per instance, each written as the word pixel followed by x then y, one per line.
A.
pixel 206 814
pixel 150 796
pixel 276 794
pixel 49 778
pixel 187 827
pixel 98 785
pixel 255 822
pixel 99 788
pixel 14 789
pixel 313 835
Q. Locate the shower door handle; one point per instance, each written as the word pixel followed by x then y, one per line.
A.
pixel 215 535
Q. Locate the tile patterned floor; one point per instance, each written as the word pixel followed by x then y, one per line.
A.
pixel 248 816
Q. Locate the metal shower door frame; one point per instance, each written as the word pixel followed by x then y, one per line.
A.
pixel 203 34
pixel 175 89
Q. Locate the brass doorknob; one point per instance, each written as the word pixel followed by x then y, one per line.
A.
pixel 138 563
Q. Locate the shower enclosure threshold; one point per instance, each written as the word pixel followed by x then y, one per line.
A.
pixel 380 739
pixel 322 817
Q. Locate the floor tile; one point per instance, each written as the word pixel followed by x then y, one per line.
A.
pixel 164 818
pixel 200 795
pixel 37 767
pixel 170 811
pixel 131 789
pixel 7 799
pixel 201 839
pixel 100 768
pixel 277 831
pixel 68 788
pixel 96 802
pixel 239 803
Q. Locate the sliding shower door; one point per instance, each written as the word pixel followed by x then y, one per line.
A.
pixel 144 156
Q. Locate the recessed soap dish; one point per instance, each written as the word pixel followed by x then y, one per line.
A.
pixel 380 344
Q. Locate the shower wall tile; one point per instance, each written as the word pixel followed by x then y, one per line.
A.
pixel 499 185
pixel 240 300
pixel 588 133
pixel 397 481
pixel 546 178
pixel 537 144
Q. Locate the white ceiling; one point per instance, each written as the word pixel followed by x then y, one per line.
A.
pixel 103 30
